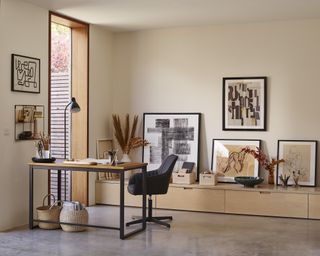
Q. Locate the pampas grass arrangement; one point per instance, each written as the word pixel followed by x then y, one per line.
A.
pixel 126 137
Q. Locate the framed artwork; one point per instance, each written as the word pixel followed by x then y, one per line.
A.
pixel 300 158
pixel 228 159
pixel 171 133
pixel 25 74
pixel 29 122
pixel 244 103
pixel 102 147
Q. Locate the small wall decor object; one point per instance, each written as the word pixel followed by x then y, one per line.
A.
pixel 171 133
pixel 300 160
pixel 229 159
pixel 244 103
pixel 29 122
pixel 25 74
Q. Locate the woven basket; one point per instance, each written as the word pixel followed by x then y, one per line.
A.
pixel 73 216
pixel 47 212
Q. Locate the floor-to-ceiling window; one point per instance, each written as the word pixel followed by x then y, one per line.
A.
pixel 68 78
pixel 60 94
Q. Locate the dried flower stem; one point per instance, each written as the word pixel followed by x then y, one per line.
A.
pixel 127 140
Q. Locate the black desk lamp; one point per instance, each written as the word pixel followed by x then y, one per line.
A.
pixel 74 108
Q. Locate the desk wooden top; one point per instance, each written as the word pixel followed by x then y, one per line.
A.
pixel 84 167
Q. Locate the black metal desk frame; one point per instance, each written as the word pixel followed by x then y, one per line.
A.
pixel 93 168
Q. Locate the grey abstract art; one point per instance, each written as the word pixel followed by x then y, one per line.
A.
pixel 171 134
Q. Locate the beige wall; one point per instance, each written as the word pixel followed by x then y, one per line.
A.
pixel 181 70
pixel 23 30
pixel 100 94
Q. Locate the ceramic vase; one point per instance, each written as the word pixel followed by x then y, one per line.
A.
pixel 125 158
pixel 271 177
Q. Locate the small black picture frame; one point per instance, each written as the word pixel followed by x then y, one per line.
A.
pixel 25 74
pixel 244 103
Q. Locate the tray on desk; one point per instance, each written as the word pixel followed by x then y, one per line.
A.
pixel 43 160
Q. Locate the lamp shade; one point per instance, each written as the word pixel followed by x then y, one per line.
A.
pixel 74 106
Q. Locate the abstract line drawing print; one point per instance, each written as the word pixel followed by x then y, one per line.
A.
pixel 26 72
pixel 244 104
pixel 170 134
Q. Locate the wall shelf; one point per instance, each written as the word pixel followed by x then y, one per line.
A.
pixel 29 121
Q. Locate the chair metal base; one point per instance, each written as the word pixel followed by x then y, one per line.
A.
pixel 150 218
pixel 157 220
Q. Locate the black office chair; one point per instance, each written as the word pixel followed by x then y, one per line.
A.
pixel 157 184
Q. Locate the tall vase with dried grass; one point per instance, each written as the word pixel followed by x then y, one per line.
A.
pixel 126 137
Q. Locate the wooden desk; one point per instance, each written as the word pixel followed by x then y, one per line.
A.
pixel 119 169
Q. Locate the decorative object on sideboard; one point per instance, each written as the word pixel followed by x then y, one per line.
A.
pixel 186 175
pixel 300 156
pixel 244 103
pixel 284 179
pixel 264 161
pixel 25 74
pixel 126 138
pixel 229 159
pixel 29 122
pixel 296 176
pixel 171 133
pixel 248 181
pixel 209 178
pixel 74 108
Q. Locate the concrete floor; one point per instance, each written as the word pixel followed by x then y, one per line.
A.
pixel 190 234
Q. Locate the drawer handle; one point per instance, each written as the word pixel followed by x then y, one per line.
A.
pixel 187 188
pixel 264 192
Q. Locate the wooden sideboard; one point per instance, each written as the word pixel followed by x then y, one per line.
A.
pixel 264 200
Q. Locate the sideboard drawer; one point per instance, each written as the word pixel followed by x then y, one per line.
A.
pixel 314 206
pixel 267 203
pixel 192 199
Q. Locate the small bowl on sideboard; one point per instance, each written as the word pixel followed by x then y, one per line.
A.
pixel 248 181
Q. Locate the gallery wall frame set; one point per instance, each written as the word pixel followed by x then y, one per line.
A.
pixel 171 133
pixel 244 103
pixel 25 74
pixel 228 159
pixel 299 155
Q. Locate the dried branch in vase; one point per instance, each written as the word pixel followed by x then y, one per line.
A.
pixel 127 139
pixel 262 158
pixel 45 140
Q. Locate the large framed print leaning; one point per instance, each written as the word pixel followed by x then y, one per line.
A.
pixel 171 133
pixel 300 158
pixel 230 161
pixel 25 74
pixel 244 103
